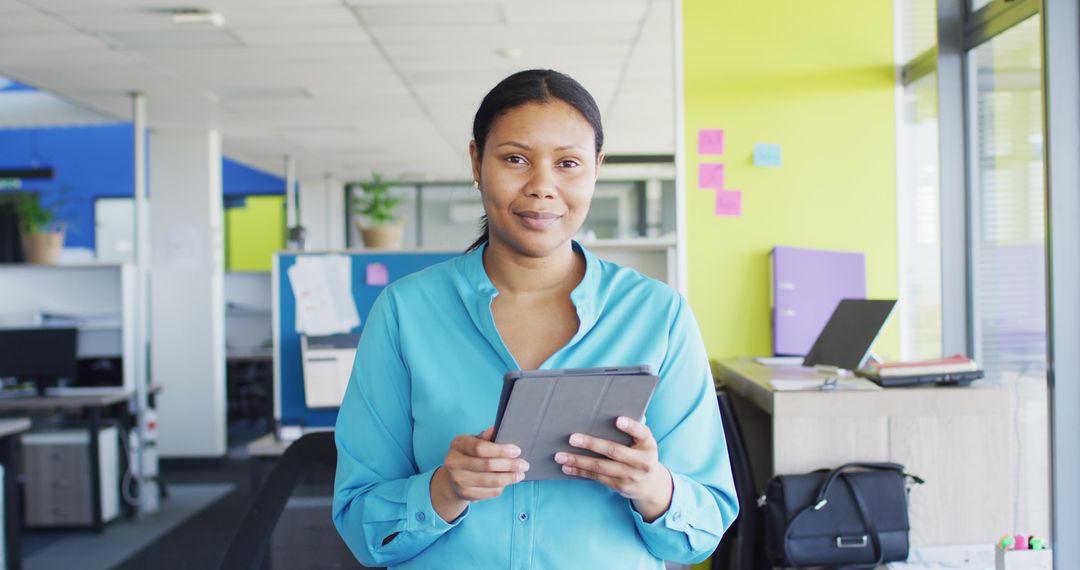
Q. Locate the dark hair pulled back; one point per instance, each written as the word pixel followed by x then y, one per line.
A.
pixel 531 86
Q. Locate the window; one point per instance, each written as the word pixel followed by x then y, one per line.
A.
pixel 918 209
pixel 1009 262
pixel 447 215
pixel 1008 283
pixel 918 180
pixel 918 28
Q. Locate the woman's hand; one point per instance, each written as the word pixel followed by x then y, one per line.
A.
pixel 634 472
pixel 474 469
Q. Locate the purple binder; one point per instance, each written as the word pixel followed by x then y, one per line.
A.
pixel 806 285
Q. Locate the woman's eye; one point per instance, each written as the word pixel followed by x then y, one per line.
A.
pixel 569 163
pixel 515 159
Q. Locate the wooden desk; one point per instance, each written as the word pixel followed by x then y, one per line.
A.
pixel 10 427
pixel 955 438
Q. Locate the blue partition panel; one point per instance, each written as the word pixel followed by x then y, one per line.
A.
pixel 293 410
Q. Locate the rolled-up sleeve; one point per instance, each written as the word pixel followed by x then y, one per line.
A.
pixel 382 504
pixel 685 420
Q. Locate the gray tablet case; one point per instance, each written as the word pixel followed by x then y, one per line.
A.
pixel 539 409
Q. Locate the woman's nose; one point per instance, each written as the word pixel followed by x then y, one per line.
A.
pixel 541 184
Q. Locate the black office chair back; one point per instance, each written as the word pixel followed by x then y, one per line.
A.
pixel 738 548
pixel 252 540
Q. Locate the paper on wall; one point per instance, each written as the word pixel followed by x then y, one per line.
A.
pixel 322 286
pixel 326 378
pixel 710 141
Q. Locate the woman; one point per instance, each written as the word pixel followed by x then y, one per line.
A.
pixel 417 488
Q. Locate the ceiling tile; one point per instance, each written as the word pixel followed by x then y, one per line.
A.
pixel 25 109
pixel 19 25
pixel 85 58
pixel 524 36
pixel 404 15
pixel 428 3
pixel 14 8
pixel 302 36
pixel 303 77
pixel 119 20
pixel 270 56
pixel 60 6
pixel 63 6
pixel 257 15
pixel 48 43
pixel 562 12
pixel 174 39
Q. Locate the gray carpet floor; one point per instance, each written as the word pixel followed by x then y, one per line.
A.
pixel 50 550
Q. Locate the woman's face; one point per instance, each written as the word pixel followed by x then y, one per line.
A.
pixel 537 176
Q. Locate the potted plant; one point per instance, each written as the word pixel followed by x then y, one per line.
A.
pixel 42 235
pixel 382 228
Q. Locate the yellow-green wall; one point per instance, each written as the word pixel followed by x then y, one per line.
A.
pixel 254 232
pixel 815 76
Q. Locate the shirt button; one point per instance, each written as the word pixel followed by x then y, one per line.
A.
pixel 523 516
pixel 420 517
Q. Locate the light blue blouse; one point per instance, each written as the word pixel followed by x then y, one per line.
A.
pixel 429 367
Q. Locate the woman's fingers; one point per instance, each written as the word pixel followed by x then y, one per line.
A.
pixel 630 471
pixel 475 486
pixel 484 464
pixel 477 447
pixel 480 469
pixel 643 437
pixel 598 466
pixel 635 458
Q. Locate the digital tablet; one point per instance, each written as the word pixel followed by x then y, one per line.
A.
pixel 539 409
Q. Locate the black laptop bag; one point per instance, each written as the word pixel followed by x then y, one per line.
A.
pixel 853 516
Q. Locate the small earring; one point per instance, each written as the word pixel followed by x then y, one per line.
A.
pixel 476 184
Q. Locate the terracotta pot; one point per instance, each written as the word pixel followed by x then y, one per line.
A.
pixel 43 248
pixel 386 236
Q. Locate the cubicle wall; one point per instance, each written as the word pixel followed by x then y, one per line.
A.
pixel 289 406
pixel 652 257
pixel 96 298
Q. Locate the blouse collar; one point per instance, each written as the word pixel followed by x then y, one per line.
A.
pixel 584 296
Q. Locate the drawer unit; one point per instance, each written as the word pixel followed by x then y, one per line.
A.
pixel 57 489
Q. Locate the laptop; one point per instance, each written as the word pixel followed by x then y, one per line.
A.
pixel 849 334
pixel 950 378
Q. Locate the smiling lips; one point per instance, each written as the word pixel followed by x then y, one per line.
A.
pixel 537 220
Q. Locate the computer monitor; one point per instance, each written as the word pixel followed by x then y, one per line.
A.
pixel 44 355
pixel 850 332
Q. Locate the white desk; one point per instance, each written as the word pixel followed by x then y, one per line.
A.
pixel 955 438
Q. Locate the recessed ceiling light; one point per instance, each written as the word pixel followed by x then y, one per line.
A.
pixel 197 16
pixel 510 52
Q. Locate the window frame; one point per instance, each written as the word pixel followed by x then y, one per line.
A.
pixel 960 30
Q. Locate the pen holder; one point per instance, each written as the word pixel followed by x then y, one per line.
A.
pixel 1023 559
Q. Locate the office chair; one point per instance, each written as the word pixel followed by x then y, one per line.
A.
pixel 251 543
pixel 738 549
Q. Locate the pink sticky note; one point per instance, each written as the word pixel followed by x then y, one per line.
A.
pixel 710 175
pixel 376 274
pixel 710 141
pixel 729 203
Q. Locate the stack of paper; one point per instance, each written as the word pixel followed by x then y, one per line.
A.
pixel 322 286
pixel 779 360
pixel 951 365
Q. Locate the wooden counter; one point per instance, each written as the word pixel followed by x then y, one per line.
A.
pixel 955 438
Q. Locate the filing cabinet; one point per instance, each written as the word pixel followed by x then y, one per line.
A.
pixel 58 484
